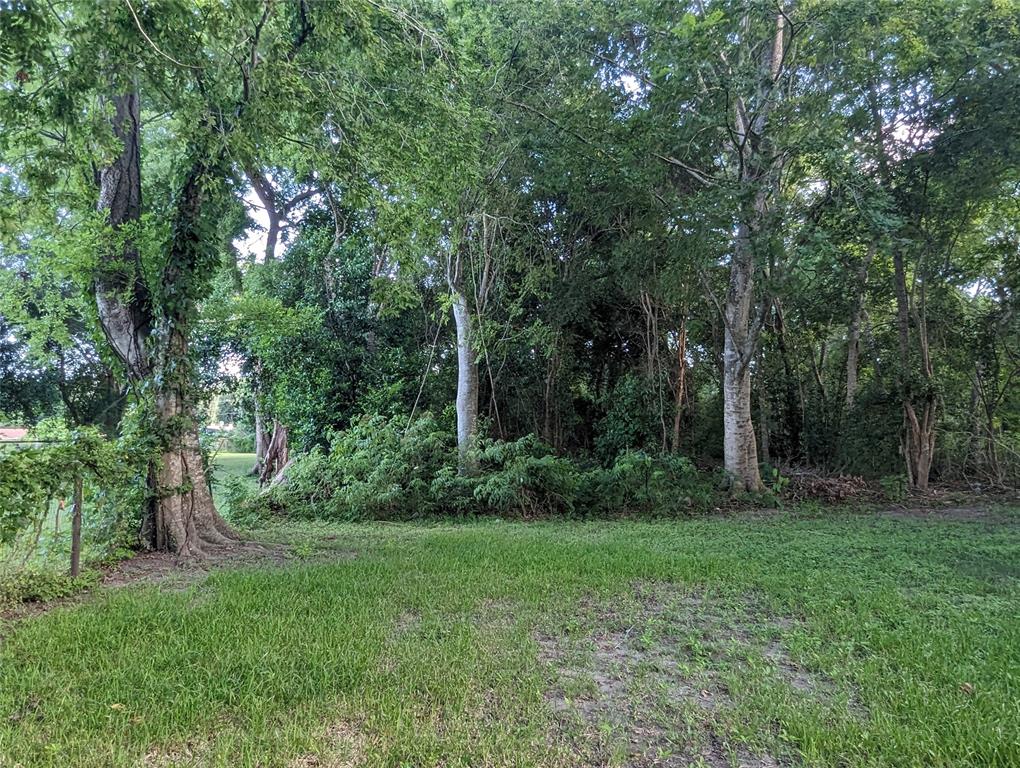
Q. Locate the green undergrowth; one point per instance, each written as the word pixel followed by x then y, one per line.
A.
pixel 390 469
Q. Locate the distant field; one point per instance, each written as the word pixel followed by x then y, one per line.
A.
pixel 227 466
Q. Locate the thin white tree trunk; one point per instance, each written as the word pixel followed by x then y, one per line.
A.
pixel 467 383
pixel 758 176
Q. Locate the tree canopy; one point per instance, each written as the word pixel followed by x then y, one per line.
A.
pixel 756 234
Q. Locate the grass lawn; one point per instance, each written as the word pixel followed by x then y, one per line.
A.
pixel 226 468
pixel 836 640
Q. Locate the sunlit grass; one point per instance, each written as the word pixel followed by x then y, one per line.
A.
pixel 397 645
pixel 227 468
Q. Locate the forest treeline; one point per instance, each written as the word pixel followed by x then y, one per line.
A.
pixel 513 256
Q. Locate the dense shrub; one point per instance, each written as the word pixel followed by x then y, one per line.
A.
pixel 867 446
pixel 632 419
pixel 638 482
pixel 380 468
pixel 523 478
pixel 383 468
pixel 39 586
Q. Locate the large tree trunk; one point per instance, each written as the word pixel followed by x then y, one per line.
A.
pixel 181 517
pixel 122 297
pixel 185 520
pixel 467 383
pixel 740 450
pixel 758 179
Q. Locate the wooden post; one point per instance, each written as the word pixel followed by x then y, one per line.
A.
pixel 76 528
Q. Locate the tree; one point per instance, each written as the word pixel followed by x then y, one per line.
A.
pixel 152 263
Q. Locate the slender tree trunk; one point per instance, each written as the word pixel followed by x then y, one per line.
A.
pixel 853 352
pixel 681 382
pixel 853 341
pixel 77 502
pixel 552 367
pixel 971 462
pixel 765 454
pixel 918 443
pixel 794 393
pixel 467 384
pixel 262 440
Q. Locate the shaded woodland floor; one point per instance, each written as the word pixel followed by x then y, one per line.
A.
pixel 794 638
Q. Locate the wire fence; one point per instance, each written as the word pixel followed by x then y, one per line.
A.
pixel 56 532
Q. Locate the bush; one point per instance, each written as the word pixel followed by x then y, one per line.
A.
pixel 375 470
pixel 383 469
pixel 632 418
pixel 523 478
pixel 638 482
pixel 31 586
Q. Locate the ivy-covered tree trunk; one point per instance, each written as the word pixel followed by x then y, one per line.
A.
pixel 122 297
pixel 182 517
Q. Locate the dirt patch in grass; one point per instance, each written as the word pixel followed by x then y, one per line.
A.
pixel 406 623
pixel 965 513
pixel 344 746
pixel 644 680
pixel 163 567
pixel 191 753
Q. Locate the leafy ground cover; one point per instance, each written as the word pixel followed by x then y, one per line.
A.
pixel 784 639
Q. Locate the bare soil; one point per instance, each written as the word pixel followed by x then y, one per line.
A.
pixel 648 683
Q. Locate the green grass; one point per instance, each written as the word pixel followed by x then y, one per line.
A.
pixel 231 467
pixel 428 645
pixel 232 464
